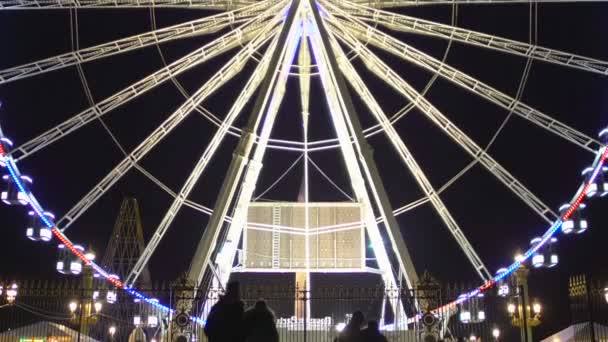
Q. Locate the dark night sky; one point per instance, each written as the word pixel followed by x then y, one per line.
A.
pixel 493 219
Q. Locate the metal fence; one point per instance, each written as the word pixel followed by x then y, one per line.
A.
pixel 61 312
pixel 589 309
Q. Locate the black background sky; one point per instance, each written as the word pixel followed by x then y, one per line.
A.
pixel 494 220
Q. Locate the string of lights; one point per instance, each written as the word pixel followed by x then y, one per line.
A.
pixel 15 176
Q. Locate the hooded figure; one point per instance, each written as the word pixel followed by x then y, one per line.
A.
pixel 260 324
pixel 372 333
pixel 352 331
pixel 225 320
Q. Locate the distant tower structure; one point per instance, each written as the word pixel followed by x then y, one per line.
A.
pixel 126 243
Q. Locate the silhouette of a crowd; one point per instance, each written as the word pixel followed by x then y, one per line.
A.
pixel 228 321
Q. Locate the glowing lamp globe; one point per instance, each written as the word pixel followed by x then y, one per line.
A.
pixel 536 308
pixel 12 195
pixel 11 293
pixel 38 230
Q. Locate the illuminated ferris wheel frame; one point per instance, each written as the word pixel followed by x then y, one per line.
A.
pixel 348 23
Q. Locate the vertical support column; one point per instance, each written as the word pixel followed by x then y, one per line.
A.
pixel 208 242
pixel 304 64
pixel 338 111
pixel 367 160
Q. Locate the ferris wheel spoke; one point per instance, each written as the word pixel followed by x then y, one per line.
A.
pixel 227 72
pixel 410 3
pixel 368 34
pixel 408 159
pixel 97 4
pixel 192 28
pixel 201 165
pixel 384 72
pixel 220 45
pixel 406 23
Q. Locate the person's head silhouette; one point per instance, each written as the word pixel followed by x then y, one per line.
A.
pixel 260 305
pixel 358 319
pixel 233 290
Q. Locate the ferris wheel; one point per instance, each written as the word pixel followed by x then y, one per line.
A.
pixel 329 44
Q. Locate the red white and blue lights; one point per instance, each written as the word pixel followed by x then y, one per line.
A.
pixel 27 198
pixel 594 185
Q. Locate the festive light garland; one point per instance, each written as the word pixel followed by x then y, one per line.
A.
pixel 7 161
pixel 599 163
pixel 9 164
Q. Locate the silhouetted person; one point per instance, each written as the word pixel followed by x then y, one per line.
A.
pixel 260 324
pixel 372 333
pixel 352 331
pixel 225 320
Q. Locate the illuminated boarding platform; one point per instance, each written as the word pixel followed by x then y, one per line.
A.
pixel 295 237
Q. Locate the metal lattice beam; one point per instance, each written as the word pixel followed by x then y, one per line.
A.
pixel 225 5
pixel 227 72
pixel 215 48
pixel 408 159
pixel 346 124
pixel 384 72
pixel 368 34
pixel 406 23
pixel 410 3
pixel 209 239
pixel 201 165
pixel 192 28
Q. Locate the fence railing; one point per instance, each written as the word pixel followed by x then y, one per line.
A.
pixel 67 312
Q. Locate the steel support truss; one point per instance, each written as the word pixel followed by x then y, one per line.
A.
pixel 227 72
pixel 368 34
pixel 407 157
pixel 380 69
pixel 192 28
pixel 406 23
pixel 237 37
pixel 410 3
pixel 215 254
pixel 82 4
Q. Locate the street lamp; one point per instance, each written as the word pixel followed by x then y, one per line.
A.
pixel 496 333
pixel 97 306
pixel 112 331
pixel 536 308
pixel 511 309
pixel 73 306
pixel 11 293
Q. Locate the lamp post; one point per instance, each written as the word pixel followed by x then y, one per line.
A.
pixel 524 315
pixel 496 333
pixel 10 292
pixel 85 312
pixel 112 331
